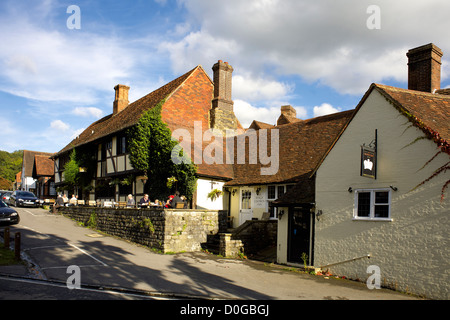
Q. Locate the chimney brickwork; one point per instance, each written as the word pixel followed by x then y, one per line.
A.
pixel 289 111
pixel 222 116
pixel 121 98
pixel 424 68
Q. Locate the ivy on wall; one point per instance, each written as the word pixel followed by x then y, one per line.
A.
pixel 150 147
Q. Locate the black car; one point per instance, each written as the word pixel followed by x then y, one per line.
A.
pixel 8 215
pixel 24 199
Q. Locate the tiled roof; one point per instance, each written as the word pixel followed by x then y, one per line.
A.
pixel 302 192
pixel 256 125
pixel 128 116
pixel 301 146
pixel 44 166
pixel 188 99
pixel 285 119
pixel 28 160
pixel 428 111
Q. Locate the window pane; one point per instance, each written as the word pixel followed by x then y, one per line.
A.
pixel 280 191
pixel 246 200
pixel 381 211
pixel 271 192
pixel 382 197
pixel 363 204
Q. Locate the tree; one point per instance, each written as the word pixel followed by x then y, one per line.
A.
pixel 150 145
pixel 10 164
pixel 72 171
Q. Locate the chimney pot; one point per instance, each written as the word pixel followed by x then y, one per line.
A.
pixel 424 68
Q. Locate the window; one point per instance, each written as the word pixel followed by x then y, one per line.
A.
pixel 121 145
pixel 372 204
pixel 246 200
pixel 106 149
pixel 280 190
pixel 271 192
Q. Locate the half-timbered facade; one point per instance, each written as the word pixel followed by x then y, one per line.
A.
pixel 190 101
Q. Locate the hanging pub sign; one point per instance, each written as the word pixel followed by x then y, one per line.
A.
pixel 368 162
pixel 369 158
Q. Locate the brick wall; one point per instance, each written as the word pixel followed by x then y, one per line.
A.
pixel 162 229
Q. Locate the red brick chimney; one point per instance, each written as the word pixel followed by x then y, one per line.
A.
pixel 424 68
pixel 121 98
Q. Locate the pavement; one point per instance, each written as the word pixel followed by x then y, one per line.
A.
pixel 52 243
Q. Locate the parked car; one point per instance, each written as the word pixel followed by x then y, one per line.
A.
pixel 5 197
pixel 8 215
pixel 3 192
pixel 23 199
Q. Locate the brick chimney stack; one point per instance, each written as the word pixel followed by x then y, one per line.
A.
pixel 222 85
pixel 221 114
pixel 121 98
pixel 424 68
pixel 289 111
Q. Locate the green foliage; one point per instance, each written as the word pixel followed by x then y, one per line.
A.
pixel 92 222
pixel 150 146
pixel 80 157
pixel 214 194
pixel 10 164
pixel 72 171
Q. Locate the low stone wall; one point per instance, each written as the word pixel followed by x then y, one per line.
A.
pixel 230 248
pixel 166 230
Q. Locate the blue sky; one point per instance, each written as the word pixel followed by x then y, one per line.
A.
pixel 318 56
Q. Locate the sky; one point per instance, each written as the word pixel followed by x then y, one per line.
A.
pixel 59 66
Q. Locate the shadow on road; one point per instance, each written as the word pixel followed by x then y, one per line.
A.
pixel 104 264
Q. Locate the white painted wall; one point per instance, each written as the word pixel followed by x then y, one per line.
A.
pixel 203 188
pixel 411 249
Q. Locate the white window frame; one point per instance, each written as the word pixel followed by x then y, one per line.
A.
pixel 269 200
pixel 371 216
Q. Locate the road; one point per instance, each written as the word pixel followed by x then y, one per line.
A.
pixel 54 243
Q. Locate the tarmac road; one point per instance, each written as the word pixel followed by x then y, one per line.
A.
pixel 53 243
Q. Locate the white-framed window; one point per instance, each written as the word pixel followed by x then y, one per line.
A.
pixel 372 204
pixel 274 192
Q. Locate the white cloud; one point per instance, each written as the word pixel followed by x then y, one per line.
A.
pixel 88 112
pixel 326 41
pixel 59 125
pixel 324 109
pixel 248 87
pixel 53 64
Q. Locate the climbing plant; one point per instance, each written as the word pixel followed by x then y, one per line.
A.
pixel 150 147
pixel 443 146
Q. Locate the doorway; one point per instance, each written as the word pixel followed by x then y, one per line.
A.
pixel 300 236
pixel 246 205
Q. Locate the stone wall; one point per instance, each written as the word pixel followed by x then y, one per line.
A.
pixel 256 235
pixel 166 230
